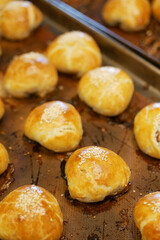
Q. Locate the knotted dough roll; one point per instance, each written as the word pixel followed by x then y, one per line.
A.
pixel 55 125
pixel 74 52
pixel 18 19
pixel 130 15
pixel 30 213
pixel 147 129
pixel 94 173
pixel 30 73
pixel 108 90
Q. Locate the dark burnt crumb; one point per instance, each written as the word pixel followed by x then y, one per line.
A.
pixel 93 236
pixel 123 224
pixel 8 178
pixel 158 136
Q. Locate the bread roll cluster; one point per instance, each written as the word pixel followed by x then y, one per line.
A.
pixel 92 172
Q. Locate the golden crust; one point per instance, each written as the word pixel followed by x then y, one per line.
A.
pixel 92 174
pixel 130 15
pixel 30 73
pixel 23 14
pixel 55 125
pixel 2 109
pixel 107 90
pixel 156 9
pixel 4 159
pixel 3 3
pixel 147 130
pixel 147 216
pixel 30 212
pixel 74 52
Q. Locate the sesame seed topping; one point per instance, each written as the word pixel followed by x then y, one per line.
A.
pixel 53 111
pixel 29 201
pixel 156 205
pixel 95 152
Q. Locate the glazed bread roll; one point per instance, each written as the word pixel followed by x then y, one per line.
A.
pixel 147 216
pixel 55 125
pixel 107 90
pixel 2 109
pixel 74 52
pixel 30 73
pixel 30 213
pixel 130 15
pixel 147 130
pixel 94 173
pixel 4 159
pixel 18 19
pixel 156 9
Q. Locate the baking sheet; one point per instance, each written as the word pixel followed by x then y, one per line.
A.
pixel 145 43
pixel 33 164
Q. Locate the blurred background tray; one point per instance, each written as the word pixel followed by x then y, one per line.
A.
pixel 111 219
pixel 146 43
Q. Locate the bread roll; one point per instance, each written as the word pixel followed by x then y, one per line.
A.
pixel 55 125
pixel 74 52
pixel 107 90
pixel 2 109
pixel 18 19
pixel 147 130
pixel 147 216
pixel 156 9
pixel 94 173
pixel 30 73
pixel 30 213
pixel 4 159
pixel 130 15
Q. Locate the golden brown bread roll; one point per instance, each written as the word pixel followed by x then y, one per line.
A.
pixel 2 109
pixel 55 125
pixel 156 9
pixel 4 159
pixel 130 15
pixel 107 90
pixel 18 19
pixel 147 129
pixel 147 216
pixel 30 73
pixel 94 173
pixel 30 213
pixel 74 52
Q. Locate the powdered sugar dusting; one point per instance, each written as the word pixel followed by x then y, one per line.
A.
pixel 29 202
pixel 95 152
pixel 53 111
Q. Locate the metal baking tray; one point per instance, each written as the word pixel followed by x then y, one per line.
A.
pixel 33 164
pixel 146 42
